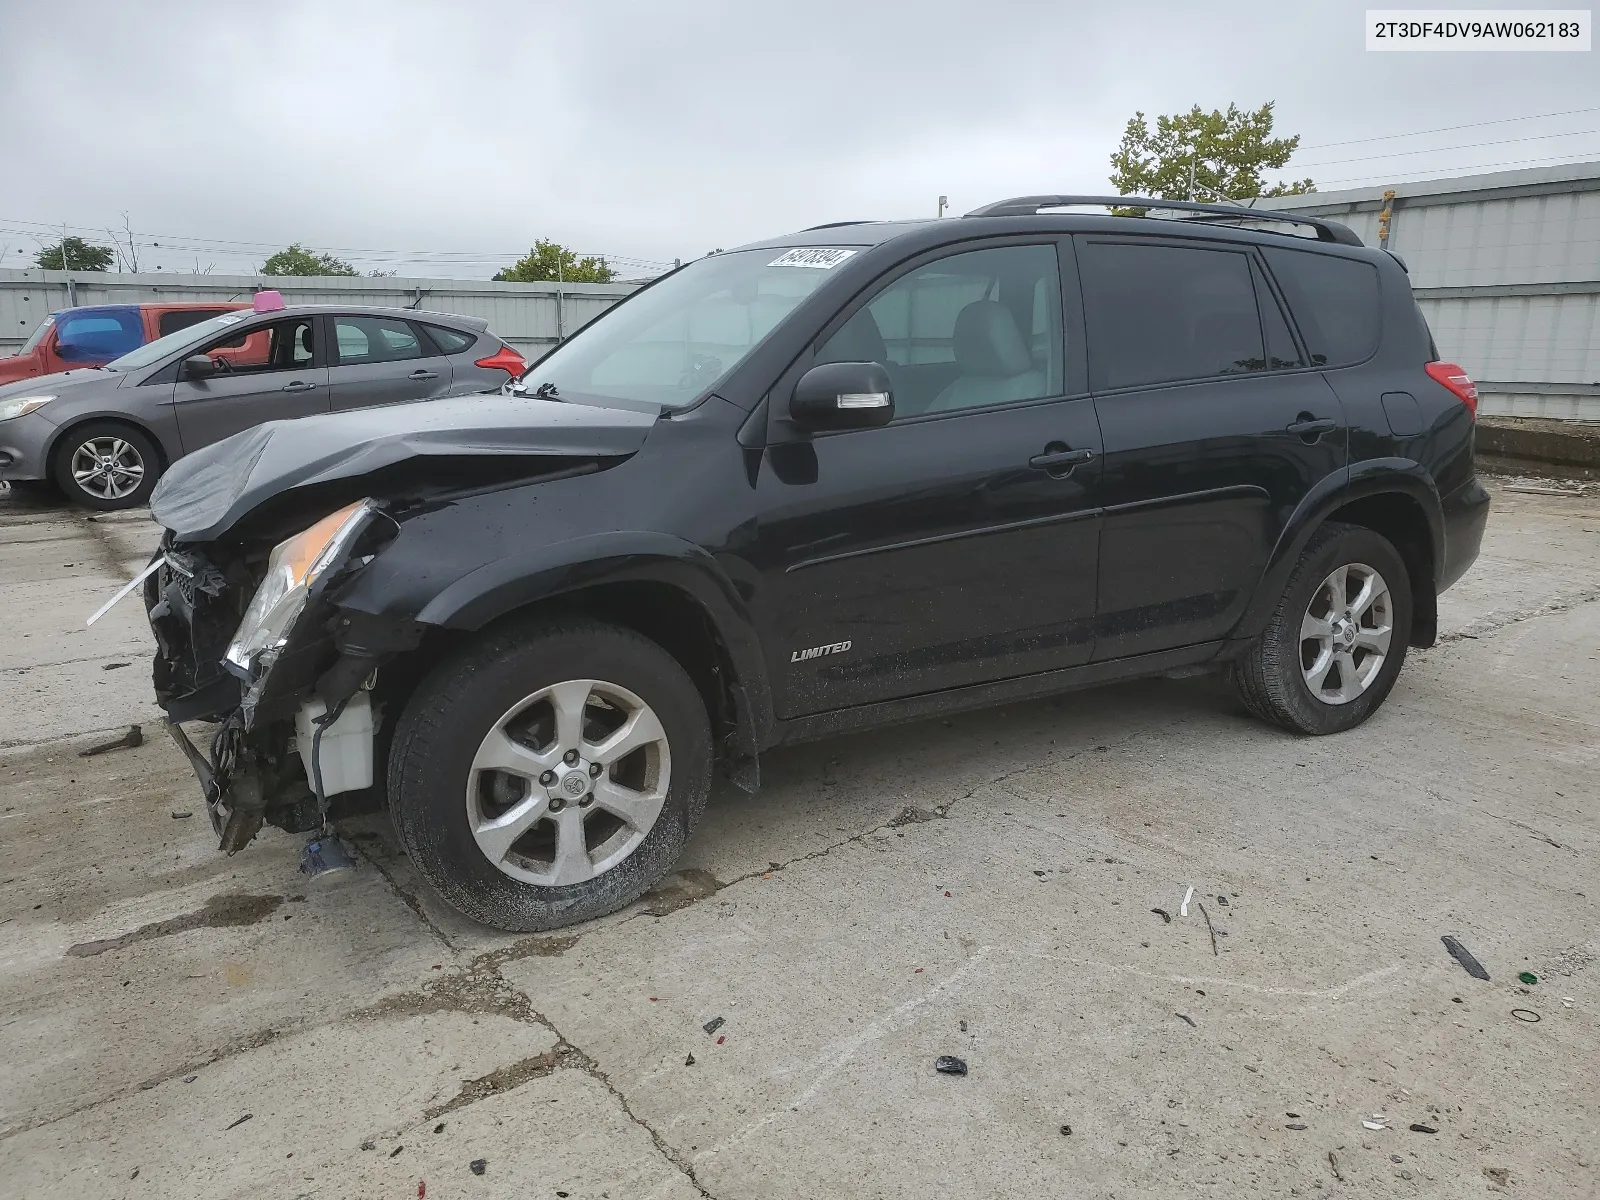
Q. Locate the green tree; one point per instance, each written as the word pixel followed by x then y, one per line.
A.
pixel 79 255
pixel 1223 153
pixel 297 260
pixel 542 262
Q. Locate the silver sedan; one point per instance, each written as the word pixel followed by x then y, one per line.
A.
pixel 105 434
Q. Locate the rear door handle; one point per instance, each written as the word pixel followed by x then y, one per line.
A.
pixel 1309 426
pixel 299 385
pixel 1054 460
pixel 422 376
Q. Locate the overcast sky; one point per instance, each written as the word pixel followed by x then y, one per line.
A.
pixel 442 139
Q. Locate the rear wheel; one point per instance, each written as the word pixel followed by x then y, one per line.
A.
pixel 106 465
pixel 1334 646
pixel 550 773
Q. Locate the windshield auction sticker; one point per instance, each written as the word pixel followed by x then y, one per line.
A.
pixel 1479 29
pixel 822 257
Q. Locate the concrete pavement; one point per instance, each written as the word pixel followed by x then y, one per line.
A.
pixel 176 1023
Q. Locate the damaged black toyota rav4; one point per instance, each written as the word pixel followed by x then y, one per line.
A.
pixel 861 474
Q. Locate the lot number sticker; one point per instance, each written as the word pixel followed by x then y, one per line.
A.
pixel 821 257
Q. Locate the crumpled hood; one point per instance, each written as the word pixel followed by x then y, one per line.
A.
pixel 205 493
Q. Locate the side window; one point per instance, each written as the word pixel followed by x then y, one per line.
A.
pixel 182 318
pixel 1159 314
pixel 1281 351
pixel 449 341
pixel 284 345
pixel 98 335
pixel 374 339
pixel 1335 302
pixel 967 331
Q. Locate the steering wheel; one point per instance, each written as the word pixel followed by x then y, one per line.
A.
pixel 224 365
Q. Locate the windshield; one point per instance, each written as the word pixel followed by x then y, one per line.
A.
pixel 192 336
pixel 38 334
pixel 672 342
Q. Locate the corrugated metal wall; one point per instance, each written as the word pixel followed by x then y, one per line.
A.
pixel 1506 268
pixel 524 314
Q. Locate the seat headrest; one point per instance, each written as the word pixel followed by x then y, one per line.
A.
pixel 858 340
pixel 988 342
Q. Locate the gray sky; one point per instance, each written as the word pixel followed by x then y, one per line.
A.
pixel 652 131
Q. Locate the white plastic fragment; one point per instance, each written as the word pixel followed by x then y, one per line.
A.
pixel 1183 909
pixel 1374 1124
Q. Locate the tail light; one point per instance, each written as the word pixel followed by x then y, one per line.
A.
pixel 505 359
pixel 1459 383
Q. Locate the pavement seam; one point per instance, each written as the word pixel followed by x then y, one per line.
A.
pixel 406 898
pixel 1560 604
pixel 69 662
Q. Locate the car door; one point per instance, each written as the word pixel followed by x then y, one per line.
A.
pixel 1215 429
pixel 271 372
pixel 958 543
pixel 378 360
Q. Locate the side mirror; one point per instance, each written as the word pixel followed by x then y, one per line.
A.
pixel 845 395
pixel 198 366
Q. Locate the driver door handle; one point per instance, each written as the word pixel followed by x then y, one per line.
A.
pixel 1054 460
pixel 421 376
pixel 299 385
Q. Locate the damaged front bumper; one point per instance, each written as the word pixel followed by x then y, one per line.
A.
pixel 293 713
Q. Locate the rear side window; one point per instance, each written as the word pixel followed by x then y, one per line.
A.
pixel 182 318
pixel 1334 301
pixel 1161 313
pixel 450 341
pixel 374 339
pixel 98 335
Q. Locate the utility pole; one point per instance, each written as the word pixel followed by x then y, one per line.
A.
pixel 560 315
pixel 944 203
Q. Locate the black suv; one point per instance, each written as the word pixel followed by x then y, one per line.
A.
pixel 864 473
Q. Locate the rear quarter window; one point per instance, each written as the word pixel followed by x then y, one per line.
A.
pixel 449 341
pixel 182 318
pixel 1335 302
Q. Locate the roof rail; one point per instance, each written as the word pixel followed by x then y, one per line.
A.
pixel 1327 231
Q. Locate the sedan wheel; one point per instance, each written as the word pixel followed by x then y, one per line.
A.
pixel 106 465
pixel 568 783
pixel 108 468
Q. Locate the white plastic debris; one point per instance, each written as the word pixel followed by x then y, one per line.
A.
pixel 1374 1124
pixel 1183 909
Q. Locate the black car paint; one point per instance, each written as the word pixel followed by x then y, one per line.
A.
pixel 961 574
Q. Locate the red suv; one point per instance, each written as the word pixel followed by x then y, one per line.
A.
pixel 95 334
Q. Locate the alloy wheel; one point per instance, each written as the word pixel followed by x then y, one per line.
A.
pixel 108 468
pixel 1345 633
pixel 568 782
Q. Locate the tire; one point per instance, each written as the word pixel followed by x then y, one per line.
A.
pixel 1285 676
pixel 129 448
pixel 444 797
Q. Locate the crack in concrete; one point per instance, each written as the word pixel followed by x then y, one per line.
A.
pixel 1496 622
pixel 239 1045
pixel 406 898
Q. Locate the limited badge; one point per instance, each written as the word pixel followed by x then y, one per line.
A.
pixel 821 257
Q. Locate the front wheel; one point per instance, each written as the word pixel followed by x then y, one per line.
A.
pixel 550 773
pixel 1334 646
pixel 106 465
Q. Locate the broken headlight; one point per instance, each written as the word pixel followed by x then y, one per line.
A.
pixel 292 571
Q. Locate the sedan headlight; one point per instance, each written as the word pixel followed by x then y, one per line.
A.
pixel 292 570
pixel 21 406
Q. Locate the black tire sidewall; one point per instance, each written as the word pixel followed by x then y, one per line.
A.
pixel 1341 546
pixel 67 446
pixel 446 720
